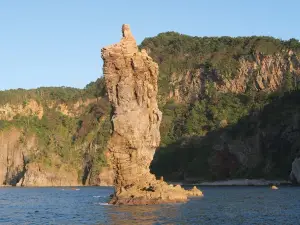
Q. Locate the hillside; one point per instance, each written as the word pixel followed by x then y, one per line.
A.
pixel 215 94
pixel 230 110
pixel 54 136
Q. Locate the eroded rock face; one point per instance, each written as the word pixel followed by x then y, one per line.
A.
pixel 14 152
pixel 105 177
pixel 267 71
pixel 18 169
pixel 131 81
pixel 264 73
pixel 37 175
pixel 30 108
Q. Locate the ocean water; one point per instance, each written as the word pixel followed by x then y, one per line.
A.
pixel 220 205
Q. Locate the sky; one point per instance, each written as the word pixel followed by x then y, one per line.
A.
pixel 58 42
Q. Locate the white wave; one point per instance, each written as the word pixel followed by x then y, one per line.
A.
pixel 102 203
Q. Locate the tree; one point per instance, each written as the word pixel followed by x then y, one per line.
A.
pixel 97 88
pixel 197 121
pixel 288 82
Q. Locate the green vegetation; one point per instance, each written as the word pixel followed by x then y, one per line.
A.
pixel 201 137
pixel 178 53
pixel 189 133
pixel 61 94
pixel 267 136
pixel 192 129
pixel 58 94
pixel 63 139
pixel 96 89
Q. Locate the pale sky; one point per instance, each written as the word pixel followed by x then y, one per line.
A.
pixel 58 42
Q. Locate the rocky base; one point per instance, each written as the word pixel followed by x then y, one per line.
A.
pixel 37 175
pixel 157 193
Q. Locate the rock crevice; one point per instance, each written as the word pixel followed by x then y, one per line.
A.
pixel 131 81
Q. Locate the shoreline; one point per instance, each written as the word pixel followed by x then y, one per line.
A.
pixel 236 182
pixel 233 182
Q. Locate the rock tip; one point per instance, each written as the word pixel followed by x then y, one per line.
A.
pixel 126 31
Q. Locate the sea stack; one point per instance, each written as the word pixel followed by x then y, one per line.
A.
pixel 131 81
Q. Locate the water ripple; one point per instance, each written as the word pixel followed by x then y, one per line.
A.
pixel 221 205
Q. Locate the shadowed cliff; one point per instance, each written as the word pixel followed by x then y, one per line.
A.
pixel 262 144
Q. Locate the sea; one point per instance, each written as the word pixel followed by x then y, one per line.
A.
pixel 88 205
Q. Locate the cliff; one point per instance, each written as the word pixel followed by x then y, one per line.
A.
pixel 191 66
pixel 216 95
pixel 23 164
pixel 50 137
pixel 262 73
pixel 17 168
pixel 14 155
pixel 131 82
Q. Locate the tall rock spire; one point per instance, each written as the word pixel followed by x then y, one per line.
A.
pixel 131 81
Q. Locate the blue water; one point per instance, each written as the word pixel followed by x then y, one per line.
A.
pixel 221 205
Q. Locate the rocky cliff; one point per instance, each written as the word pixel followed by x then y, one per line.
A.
pixel 32 108
pixel 51 139
pixel 131 82
pixel 216 94
pixel 14 152
pixel 261 144
pixel 37 175
pixel 192 66
pixel 213 92
pixel 263 73
pixel 18 166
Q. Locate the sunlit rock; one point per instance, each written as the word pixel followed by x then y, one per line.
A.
pixel 131 81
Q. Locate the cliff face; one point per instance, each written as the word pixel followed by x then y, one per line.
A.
pixel 265 143
pixel 14 152
pixel 131 81
pixel 32 108
pixel 37 174
pixel 191 66
pixel 73 110
pixel 262 144
pixel 17 168
pixel 21 165
pixel 263 73
pixel 212 87
pixel 206 87
pixel 43 142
